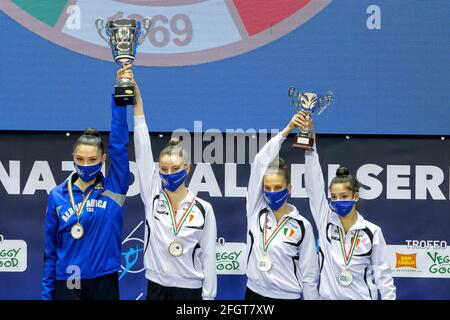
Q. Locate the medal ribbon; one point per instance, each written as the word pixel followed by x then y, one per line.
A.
pixel 347 257
pixel 79 211
pixel 175 226
pixel 266 242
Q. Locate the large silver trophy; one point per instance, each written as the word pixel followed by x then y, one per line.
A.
pixel 123 36
pixel 309 103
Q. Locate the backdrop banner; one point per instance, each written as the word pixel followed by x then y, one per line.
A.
pixel 405 190
pixel 385 61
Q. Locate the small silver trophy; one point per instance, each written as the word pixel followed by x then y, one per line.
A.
pixel 123 36
pixel 309 103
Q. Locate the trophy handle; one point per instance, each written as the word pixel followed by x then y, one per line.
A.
pixel 293 93
pixel 100 25
pixel 325 102
pixel 146 24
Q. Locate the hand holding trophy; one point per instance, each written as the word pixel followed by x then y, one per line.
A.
pixel 308 103
pixel 123 36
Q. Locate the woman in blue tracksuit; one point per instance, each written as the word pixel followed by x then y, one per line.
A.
pixel 83 224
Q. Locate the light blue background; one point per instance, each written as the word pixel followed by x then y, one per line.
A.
pixel 390 81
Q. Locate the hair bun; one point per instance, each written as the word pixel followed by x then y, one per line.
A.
pixel 278 163
pixel 342 171
pixel 91 132
pixel 175 142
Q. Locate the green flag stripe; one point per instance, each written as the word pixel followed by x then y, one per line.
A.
pixel 46 11
pixel 266 245
pixel 78 212
pixel 176 228
pixel 348 258
pixel 172 216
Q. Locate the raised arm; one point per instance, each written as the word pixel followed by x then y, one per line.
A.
pixel 314 183
pixel 118 177
pixel 142 146
pixel 315 188
pixel 51 229
pixel 262 161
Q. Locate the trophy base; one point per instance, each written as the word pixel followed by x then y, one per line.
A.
pixel 124 96
pixel 303 142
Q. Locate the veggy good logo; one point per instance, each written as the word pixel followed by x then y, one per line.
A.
pixel 184 32
pixel 13 256
pixel 441 263
pixel 406 260
pixel 228 261
pixel 230 257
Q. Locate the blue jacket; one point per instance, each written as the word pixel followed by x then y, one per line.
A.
pixel 98 252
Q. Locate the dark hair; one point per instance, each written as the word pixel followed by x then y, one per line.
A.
pixel 174 147
pixel 278 166
pixel 344 176
pixel 90 137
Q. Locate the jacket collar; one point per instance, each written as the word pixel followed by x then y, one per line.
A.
pixel 188 199
pixel 98 184
pixel 359 224
pixel 293 213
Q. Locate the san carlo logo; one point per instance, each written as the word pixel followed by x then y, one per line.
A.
pixel 184 32
pixel 404 260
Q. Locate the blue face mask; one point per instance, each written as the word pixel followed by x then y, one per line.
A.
pixel 172 181
pixel 276 199
pixel 342 207
pixel 89 172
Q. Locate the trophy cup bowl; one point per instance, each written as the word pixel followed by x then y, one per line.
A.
pixel 309 103
pixel 123 36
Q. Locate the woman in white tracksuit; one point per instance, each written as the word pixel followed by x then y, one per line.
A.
pixel 282 260
pixel 353 252
pixel 180 234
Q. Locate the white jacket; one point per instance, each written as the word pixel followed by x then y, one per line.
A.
pixel 295 269
pixel 369 265
pixel 196 268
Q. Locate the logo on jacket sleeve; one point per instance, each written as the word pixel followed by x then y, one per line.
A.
pixel 289 232
pixel 162 208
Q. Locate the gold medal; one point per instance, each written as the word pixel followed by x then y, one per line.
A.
pixel 176 248
pixel 77 231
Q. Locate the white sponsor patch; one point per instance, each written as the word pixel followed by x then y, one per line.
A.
pixel 231 258
pixel 13 256
pixel 407 262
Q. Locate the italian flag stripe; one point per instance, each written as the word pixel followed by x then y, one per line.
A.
pixel 175 226
pixel 46 11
